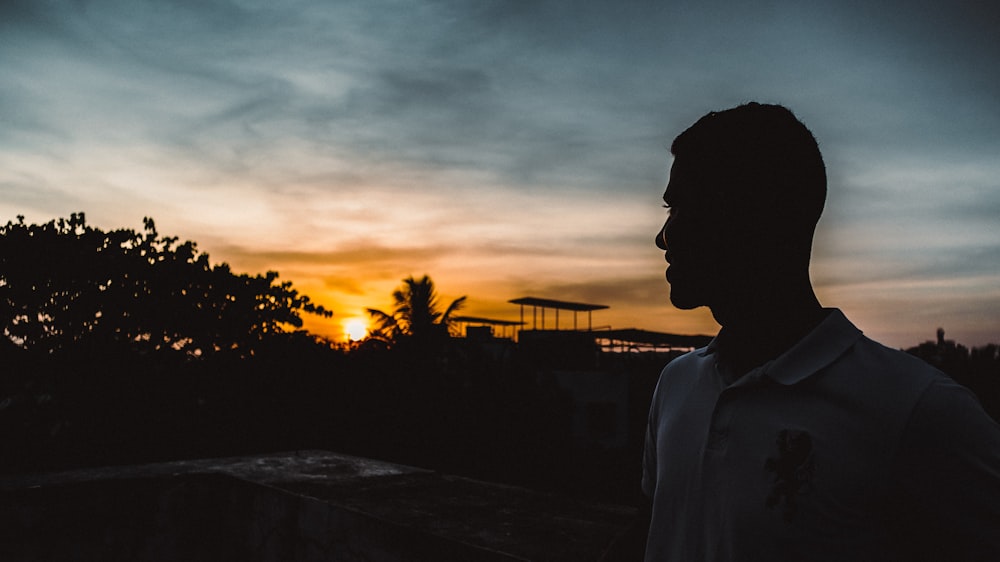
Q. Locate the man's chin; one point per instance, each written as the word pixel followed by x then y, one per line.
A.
pixel 682 301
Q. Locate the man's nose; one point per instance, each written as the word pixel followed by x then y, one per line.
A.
pixel 661 238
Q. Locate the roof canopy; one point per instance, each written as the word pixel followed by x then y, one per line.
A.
pixel 558 305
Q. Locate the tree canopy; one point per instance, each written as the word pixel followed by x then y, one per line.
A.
pixel 416 314
pixel 64 283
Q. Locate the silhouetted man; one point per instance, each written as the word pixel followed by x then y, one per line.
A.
pixel 792 436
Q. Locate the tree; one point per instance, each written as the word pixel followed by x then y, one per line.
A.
pixel 124 346
pixel 65 284
pixel 415 315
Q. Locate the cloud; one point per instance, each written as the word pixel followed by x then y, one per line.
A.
pixel 358 254
pixel 637 291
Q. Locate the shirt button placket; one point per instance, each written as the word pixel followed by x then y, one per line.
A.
pixel 725 407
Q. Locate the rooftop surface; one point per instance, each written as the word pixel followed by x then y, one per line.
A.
pixel 489 521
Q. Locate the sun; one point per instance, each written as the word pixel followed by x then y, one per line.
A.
pixel 356 328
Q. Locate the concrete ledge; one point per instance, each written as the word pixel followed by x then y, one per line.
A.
pixel 311 505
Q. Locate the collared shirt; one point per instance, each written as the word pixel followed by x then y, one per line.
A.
pixel 838 449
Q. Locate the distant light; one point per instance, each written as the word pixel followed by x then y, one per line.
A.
pixel 356 328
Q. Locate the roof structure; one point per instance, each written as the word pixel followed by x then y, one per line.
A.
pixel 487 321
pixel 543 304
pixel 558 305
pixel 635 338
pixel 504 325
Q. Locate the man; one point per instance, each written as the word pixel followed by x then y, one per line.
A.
pixel 792 436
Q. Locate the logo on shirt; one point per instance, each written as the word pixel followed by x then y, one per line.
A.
pixel 793 470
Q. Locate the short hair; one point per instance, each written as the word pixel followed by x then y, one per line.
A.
pixel 762 158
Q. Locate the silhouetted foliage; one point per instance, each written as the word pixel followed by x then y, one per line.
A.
pixel 415 314
pixel 64 283
pixel 122 346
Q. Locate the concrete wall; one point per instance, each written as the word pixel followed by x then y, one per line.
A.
pixel 308 506
pixel 204 517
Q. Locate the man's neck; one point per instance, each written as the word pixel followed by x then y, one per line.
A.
pixel 763 329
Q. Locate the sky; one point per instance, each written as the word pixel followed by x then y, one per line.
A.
pixel 510 148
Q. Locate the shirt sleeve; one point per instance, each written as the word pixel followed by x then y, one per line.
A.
pixel 949 470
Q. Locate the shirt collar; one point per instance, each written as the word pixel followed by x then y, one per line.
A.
pixel 818 349
pixel 821 347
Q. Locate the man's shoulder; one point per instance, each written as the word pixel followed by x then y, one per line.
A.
pixel 698 355
pixel 683 371
pixel 688 364
pixel 874 371
pixel 871 355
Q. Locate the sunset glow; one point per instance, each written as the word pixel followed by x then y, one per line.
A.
pixel 356 329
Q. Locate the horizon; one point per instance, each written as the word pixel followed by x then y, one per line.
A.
pixel 510 150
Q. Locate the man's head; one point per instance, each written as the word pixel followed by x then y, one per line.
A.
pixel 746 190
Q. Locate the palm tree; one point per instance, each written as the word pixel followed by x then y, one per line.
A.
pixel 415 313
